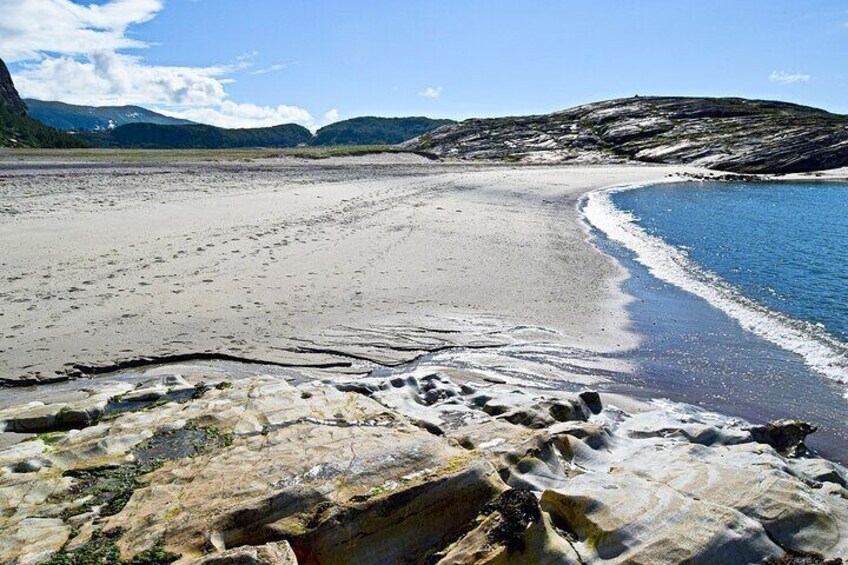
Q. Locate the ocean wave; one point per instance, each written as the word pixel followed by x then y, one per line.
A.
pixel 822 352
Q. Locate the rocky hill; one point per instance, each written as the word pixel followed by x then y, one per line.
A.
pixel 370 130
pixel 70 117
pixel 729 134
pixel 17 129
pixel 8 93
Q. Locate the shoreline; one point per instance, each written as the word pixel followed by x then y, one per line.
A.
pixel 821 353
pixel 697 351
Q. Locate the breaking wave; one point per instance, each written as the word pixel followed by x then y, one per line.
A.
pixel 822 352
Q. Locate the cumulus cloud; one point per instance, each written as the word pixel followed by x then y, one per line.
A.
pixel 233 115
pixel 331 116
pixel 74 53
pixel 31 28
pixel 431 92
pixel 782 77
pixel 106 77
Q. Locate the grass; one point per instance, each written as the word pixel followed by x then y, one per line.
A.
pixel 51 437
pixel 210 155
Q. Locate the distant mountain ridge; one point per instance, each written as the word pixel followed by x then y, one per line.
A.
pixel 366 130
pixel 71 117
pixel 197 136
pixel 357 131
pixel 728 134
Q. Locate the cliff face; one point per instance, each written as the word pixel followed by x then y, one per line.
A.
pixel 8 94
pixel 17 129
pixel 729 134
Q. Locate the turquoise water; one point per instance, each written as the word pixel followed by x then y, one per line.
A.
pixel 741 296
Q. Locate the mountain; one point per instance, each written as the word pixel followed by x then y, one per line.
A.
pixel 197 136
pixel 70 117
pixel 729 134
pixel 19 130
pixel 371 130
pixel 358 131
pixel 9 96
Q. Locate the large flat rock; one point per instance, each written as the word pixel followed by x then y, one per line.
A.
pixel 407 466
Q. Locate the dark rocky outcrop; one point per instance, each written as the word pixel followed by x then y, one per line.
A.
pixel 729 134
pixel 8 93
pixel 17 129
pixel 786 436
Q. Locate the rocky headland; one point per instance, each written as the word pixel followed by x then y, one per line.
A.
pixel 727 134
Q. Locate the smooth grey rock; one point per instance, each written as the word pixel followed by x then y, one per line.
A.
pixel 621 518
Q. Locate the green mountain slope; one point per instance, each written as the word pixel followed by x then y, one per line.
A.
pixel 370 130
pixel 197 136
pixel 70 117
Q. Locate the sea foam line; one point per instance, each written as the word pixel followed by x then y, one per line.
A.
pixel 821 352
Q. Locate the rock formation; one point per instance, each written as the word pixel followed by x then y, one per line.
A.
pixel 728 134
pixel 17 129
pixel 8 93
pixel 408 466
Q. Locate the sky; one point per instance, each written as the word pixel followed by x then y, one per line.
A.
pixel 252 63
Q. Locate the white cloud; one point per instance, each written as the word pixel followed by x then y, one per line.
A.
pixel 331 116
pixel 230 114
pixel 783 77
pixel 106 77
pixel 431 92
pixel 273 68
pixel 29 29
pixel 72 52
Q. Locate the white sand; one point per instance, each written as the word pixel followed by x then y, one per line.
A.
pixel 107 263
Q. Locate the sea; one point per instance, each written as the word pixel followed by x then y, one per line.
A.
pixel 740 296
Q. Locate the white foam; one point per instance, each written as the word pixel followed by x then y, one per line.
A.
pixel 821 352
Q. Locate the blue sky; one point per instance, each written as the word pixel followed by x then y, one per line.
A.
pixel 253 62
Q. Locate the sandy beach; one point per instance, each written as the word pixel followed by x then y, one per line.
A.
pixel 372 360
pixel 297 262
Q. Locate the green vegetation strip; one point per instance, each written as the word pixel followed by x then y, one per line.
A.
pixel 200 155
